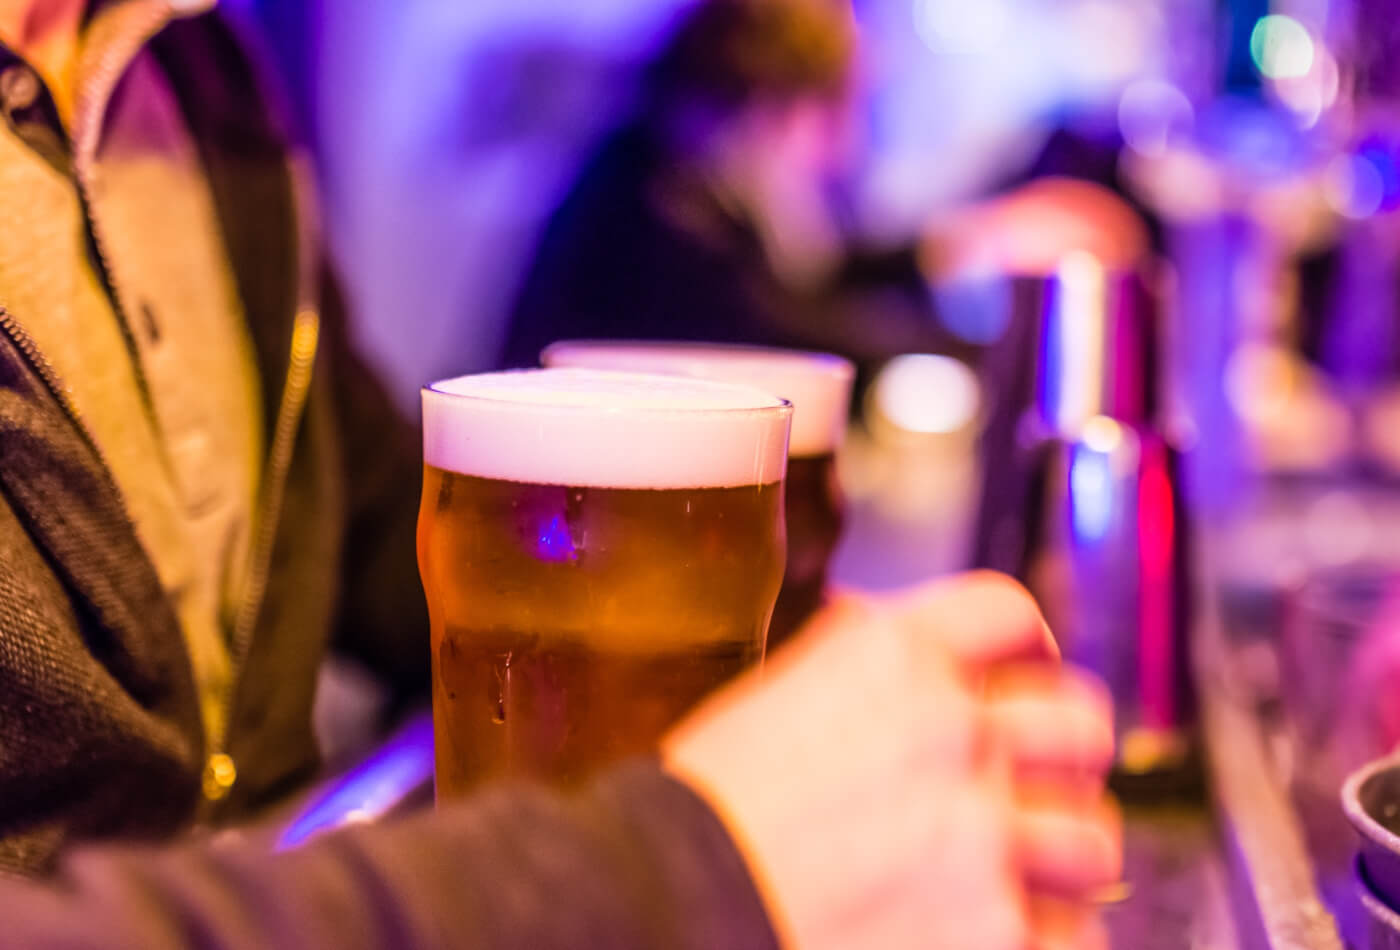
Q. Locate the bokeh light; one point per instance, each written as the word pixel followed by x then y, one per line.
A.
pixel 957 26
pixel 1261 381
pixel 1354 186
pixel 1106 42
pixel 927 394
pixel 1313 93
pixel 1282 47
pixel 1091 493
pixel 1103 434
pixel 1384 156
pixel 1151 113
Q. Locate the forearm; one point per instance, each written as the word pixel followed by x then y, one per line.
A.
pixel 636 861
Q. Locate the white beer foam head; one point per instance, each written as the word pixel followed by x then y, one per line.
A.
pixel 605 429
pixel 817 384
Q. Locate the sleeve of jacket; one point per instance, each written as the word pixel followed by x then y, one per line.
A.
pixel 635 861
pixel 382 617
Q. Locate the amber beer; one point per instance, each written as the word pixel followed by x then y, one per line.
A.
pixel 819 387
pixel 599 551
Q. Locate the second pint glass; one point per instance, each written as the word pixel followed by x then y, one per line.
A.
pixel 599 551
pixel 819 387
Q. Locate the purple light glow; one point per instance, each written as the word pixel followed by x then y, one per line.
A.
pixel 371 790
pixel 556 542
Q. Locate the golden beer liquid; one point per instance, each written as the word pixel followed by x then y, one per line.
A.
pixel 572 626
pixel 815 514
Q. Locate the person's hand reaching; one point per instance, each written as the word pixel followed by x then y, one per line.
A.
pixel 1030 230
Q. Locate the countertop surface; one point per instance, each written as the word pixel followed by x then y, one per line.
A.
pixel 1179 897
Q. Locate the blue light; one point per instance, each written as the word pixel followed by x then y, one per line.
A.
pixel 1380 156
pixel 1254 138
pixel 556 542
pixel 1091 494
pixel 977 311
pixel 371 790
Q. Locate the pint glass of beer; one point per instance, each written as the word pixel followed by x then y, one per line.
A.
pixel 819 387
pixel 599 551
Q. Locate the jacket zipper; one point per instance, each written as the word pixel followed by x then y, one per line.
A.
pixel 220 771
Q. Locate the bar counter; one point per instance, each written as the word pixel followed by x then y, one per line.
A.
pixel 1231 868
pixel 1178 880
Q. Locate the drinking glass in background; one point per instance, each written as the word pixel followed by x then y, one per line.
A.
pixel 819 387
pixel 599 551
pixel 1341 675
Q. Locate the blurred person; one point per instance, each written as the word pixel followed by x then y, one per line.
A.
pixel 1028 230
pixel 709 216
pixel 951 801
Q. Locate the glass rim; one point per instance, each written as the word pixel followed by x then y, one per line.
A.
pixel 606 429
pixel 819 361
pixel 777 404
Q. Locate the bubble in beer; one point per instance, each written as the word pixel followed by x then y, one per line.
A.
pixel 502 678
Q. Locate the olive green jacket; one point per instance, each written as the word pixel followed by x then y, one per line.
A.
pixel 100 731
